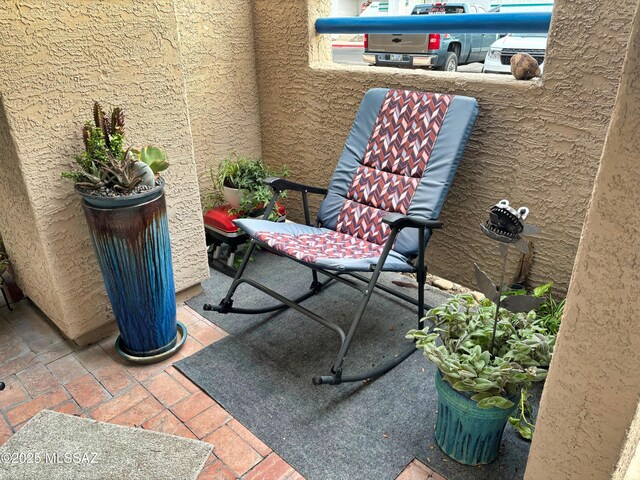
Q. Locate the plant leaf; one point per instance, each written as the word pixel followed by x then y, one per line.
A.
pixel 495 401
pixel 155 158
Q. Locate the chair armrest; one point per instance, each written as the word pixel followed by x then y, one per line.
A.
pixel 399 221
pixel 282 184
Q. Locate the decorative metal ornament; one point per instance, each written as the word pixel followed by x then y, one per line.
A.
pixel 507 226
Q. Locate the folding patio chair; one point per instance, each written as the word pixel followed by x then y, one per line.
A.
pixel 377 215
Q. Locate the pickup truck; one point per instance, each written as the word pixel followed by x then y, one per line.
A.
pixel 434 50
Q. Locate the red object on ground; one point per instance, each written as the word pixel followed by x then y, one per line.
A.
pixel 221 219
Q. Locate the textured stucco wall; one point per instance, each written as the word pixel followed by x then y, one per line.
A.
pixel 535 143
pixel 216 41
pixel 586 427
pixel 57 57
pixel 18 221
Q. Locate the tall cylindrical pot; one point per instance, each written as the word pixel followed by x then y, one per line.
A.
pixel 131 239
pixel 465 432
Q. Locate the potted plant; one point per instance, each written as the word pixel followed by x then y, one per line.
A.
pixel 124 204
pixel 239 181
pixel 480 374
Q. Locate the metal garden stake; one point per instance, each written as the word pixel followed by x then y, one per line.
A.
pixel 507 226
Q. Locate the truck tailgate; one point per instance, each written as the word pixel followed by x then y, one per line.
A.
pixel 398 43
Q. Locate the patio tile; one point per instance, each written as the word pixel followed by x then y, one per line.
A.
pixel 16 365
pixel 166 422
pixel 37 380
pixel 216 471
pixel 212 459
pixel 271 468
pixel 191 346
pixel 87 391
pixel 419 471
pixel 66 368
pixel 110 349
pixel 182 380
pixel 205 333
pixel 249 437
pixel 25 411
pixel 11 346
pixel 5 428
pixel 143 372
pixel 70 407
pixel 138 414
pixel 191 406
pixel 54 352
pixel 233 450
pixel 166 388
pixel 3 439
pixel 206 422
pixel 109 341
pixel 117 405
pixel 185 315
pixel 13 394
pixel 114 378
pixel 93 357
pixel 32 326
pixel 294 476
pixel 198 316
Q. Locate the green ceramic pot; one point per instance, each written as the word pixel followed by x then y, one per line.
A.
pixel 466 433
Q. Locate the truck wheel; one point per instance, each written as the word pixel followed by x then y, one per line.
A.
pixel 451 63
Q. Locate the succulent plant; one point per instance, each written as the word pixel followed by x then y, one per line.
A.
pixel 106 163
pixel 155 158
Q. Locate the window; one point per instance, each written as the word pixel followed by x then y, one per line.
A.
pixel 463 52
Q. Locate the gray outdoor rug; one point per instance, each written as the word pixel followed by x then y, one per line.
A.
pixel 261 373
pixel 56 446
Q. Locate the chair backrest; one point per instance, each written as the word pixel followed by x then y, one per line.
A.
pixel 401 155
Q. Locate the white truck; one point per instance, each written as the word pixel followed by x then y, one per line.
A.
pixel 498 59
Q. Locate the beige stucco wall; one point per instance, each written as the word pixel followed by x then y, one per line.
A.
pixel 536 144
pixel 216 41
pixel 58 57
pixel 586 428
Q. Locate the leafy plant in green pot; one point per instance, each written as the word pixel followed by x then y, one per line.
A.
pixel 124 204
pixel 239 183
pixel 479 390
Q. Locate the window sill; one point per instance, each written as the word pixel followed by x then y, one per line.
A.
pixel 456 77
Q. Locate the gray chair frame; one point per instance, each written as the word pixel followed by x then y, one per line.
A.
pixel 365 285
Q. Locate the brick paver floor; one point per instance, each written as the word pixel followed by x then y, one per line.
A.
pixel 42 370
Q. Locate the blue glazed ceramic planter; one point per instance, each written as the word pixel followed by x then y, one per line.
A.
pixel 466 433
pixel 134 252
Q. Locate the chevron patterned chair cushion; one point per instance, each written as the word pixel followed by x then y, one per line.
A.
pixel 401 156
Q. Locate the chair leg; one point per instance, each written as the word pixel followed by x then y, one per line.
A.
pixel 421 273
pixel 336 370
pixel 337 376
pixel 337 366
pixel 227 302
